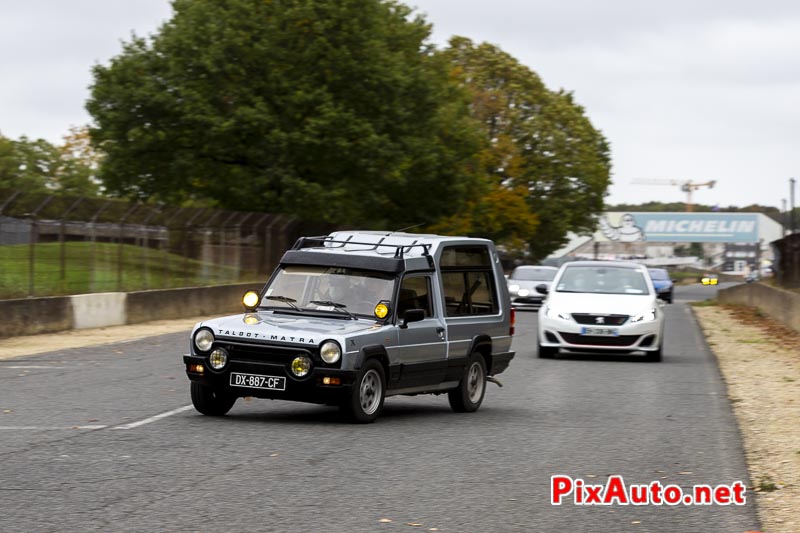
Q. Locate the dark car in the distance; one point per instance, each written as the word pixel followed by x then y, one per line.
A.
pixel 662 283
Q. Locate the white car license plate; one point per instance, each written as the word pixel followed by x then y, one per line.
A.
pixel 601 332
pixel 256 381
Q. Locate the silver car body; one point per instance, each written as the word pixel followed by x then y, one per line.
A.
pixel 426 356
pixel 522 285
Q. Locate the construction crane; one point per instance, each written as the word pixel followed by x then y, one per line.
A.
pixel 687 186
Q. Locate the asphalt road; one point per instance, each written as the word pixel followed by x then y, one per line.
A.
pixel 83 448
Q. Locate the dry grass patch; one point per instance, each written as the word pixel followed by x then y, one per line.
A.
pixel 760 361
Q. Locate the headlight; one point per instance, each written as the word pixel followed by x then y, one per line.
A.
pixel 552 313
pixel 649 316
pixel 523 292
pixel 330 352
pixel 513 288
pixel 301 366
pixel 218 359
pixel 203 339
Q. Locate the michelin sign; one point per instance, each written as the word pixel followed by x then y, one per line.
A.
pixel 678 227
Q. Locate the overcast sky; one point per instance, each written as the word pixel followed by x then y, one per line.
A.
pixel 682 89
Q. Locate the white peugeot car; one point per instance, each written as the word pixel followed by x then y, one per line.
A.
pixel 601 306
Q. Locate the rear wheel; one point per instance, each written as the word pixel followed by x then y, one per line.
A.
pixel 468 396
pixel 365 401
pixel 210 401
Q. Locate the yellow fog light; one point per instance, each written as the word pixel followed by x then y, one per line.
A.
pixel 250 300
pixel 331 381
pixel 218 359
pixel 301 366
pixel 381 310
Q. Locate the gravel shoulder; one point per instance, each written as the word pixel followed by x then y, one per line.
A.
pixel 760 362
pixel 32 344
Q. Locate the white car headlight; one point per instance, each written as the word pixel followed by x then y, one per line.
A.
pixel 523 292
pixel 647 316
pixel 330 352
pixel 553 313
pixel 513 288
pixel 203 339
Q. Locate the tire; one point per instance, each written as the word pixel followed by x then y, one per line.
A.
pixel 547 352
pixel 211 402
pixel 669 298
pixel 655 357
pixel 468 396
pixel 365 402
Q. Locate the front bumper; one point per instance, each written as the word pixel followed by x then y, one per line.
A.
pixel 530 301
pixel 642 336
pixel 307 389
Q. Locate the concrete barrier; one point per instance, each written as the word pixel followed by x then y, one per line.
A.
pixel 98 310
pixel 29 316
pixel 780 304
pixel 143 306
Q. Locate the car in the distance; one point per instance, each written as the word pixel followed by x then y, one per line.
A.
pixel 662 283
pixel 522 285
pixel 599 306
pixel 709 279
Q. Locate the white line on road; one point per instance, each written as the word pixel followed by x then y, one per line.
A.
pixel 32 366
pixel 154 418
pixel 46 428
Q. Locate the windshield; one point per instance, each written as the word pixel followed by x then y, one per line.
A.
pixel 533 274
pixel 603 280
pixel 659 273
pixel 359 290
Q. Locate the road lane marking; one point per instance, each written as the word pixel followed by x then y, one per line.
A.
pixel 33 366
pixel 154 418
pixel 47 428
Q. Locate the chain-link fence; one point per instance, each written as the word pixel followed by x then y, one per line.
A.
pixel 53 244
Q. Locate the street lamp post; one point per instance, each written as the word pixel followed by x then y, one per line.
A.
pixel 791 203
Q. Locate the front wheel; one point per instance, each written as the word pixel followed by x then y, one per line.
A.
pixel 655 357
pixel 211 402
pixel 365 401
pixel 468 396
pixel 546 352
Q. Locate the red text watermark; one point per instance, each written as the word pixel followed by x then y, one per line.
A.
pixel 614 491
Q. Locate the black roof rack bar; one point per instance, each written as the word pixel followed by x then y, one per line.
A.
pixel 400 249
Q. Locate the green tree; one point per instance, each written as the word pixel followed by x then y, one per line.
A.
pixel 336 110
pixel 26 165
pixel 541 146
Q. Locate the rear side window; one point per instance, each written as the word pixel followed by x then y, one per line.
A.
pixel 468 281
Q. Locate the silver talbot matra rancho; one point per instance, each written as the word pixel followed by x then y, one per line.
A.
pixel 352 317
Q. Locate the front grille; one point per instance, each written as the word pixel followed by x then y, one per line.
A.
pixel 605 320
pixel 597 340
pixel 263 353
pixel 529 300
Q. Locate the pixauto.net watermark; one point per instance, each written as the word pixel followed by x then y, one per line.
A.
pixel 565 489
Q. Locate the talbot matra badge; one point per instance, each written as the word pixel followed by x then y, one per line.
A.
pixel 600 320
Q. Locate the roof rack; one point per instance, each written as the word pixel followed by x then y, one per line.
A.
pixel 399 249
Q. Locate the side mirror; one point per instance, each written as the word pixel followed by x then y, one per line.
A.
pixel 542 288
pixel 412 315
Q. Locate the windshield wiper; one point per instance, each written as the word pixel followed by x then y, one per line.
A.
pixel 285 299
pixel 336 305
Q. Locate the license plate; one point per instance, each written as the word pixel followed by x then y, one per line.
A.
pixel 256 381
pixel 601 332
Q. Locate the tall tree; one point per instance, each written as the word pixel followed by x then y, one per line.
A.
pixel 335 109
pixel 541 146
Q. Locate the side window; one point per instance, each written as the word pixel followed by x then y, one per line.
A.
pixel 415 293
pixel 468 281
